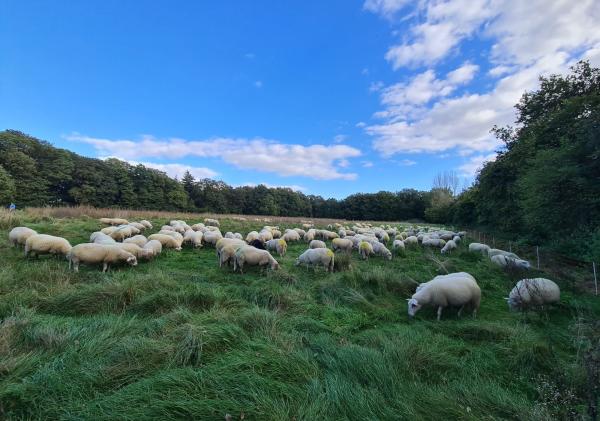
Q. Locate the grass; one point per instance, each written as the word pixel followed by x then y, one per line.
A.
pixel 180 338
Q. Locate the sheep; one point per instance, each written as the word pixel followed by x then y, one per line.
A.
pixel 365 249
pixel 122 233
pixel 99 253
pixel 277 244
pixel 455 289
pixel 300 232
pixel 146 223
pixel 19 235
pixel 227 254
pixel 167 228
pixel 411 240
pixel 448 247
pixel 276 233
pixel 153 246
pixel 291 236
pixel 223 242
pixel 99 238
pixel 317 244
pixel 533 292
pixel 229 234
pixel 137 251
pixel 252 235
pixel 398 245
pixel 504 261
pixel 494 252
pixel 258 244
pixel 173 234
pixel 318 256
pixel 166 241
pixel 141 227
pixel 342 244
pixel 433 242
pixel 381 250
pixel 456 239
pixel 238 236
pixel 212 222
pixel 193 237
pixel 478 248
pixel 108 230
pixel 307 226
pixel 198 226
pixel 253 256
pixel 46 244
pixel 265 235
pixel 310 235
pixel 140 240
pixel 114 221
pixel 327 235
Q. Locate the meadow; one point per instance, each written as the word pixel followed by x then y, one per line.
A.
pixel 181 338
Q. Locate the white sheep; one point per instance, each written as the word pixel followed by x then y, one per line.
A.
pixel 19 235
pixel 141 227
pixel 100 238
pixel 310 235
pixel 137 251
pixel 317 244
pixel 455 289
pixel 108 230
pixel 212 222
pixel 193 237
pixel 229 234
pixel 365 249
pixel 252 235
pixel 479 248
pixel 317 257
pixel 300 232
pixel 154 246
pixel 448 247
pixel 342 244
pixel 114 221
pixel 265 235
pixel 381 250
pixel 533 292
pixel 291 236
pixel 277 244
pixel 99 253
pixel 457 239
pixel 122 233
pixel 253 256
pixel 173 234
pixel 226 254
pixel 46 244
pixel 494 252
pixel 411 240
pixel 146 223
pixel 433 242
pixel 276 233
pixel 398 245
pixel 198 226
pixel 504 261
pixel 223 242
pixel 166 241
pixel 140 240
pixel 211 237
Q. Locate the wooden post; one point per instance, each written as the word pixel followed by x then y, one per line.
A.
pixel 595 280
pixel 537 252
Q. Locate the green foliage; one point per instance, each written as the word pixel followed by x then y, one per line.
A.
pixel 7 187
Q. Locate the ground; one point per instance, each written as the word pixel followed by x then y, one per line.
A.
pixel 179 337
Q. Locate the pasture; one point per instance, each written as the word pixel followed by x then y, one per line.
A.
pixel 181 338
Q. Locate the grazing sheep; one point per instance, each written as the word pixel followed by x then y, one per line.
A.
pixel 433 242
pixel 252 235
pixel 478 248
pixel 365 249
pixel 327 235
pixel 193 237
pixel 229 234
pixel 46 244
pixel 533 292
pixel 122 233
pixel 398 245
pixel 258 244
pixel 504 261
pixel 173 234
pixel 166 241
pixel 198 226
pixel 265 235
pixel 310 235
pixel 300 232
pixel 114 221
pixel 99 253
pixel 277 244
pixel 154 246
pixel 253 256
pixel 448 247
pixel 108 230
pixel 223 242
pixel 455 289
pixel 381 250
pixel 137 251
pixel 140 240
pixel 100 238
pixel 495 252
pixel 226 254
pixel 19 235
pixel 212 222
pixel 342 244
pixel 276 233
pixel 167 228
pixel 317 244
pixel 291 236
pixel 141 227
pixel 211 237
pixel 318 256
pixel 456 239
pixel 146 223
pixel 411 240
pixel 307 226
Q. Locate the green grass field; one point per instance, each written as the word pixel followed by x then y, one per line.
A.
pixel 180 338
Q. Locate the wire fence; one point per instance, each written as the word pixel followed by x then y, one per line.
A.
pixel 579 273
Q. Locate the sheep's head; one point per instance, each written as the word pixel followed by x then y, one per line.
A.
pixel 275 265
pixel 514 304
pixel 131 260
pixel 297 262
pixel 388 255
pixel 413 307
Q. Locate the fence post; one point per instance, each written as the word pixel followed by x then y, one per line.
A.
pixel 494 241
pixel 537 252
pixel 479 236
pixel 595 280
pixel 510 246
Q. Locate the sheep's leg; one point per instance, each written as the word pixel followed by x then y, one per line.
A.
pixel 474 313
pixel 70 264
pixel 76 267
pixel 104 267
pixel 440 308
pixel 460 310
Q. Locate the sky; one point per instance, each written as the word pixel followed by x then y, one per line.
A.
pixel 326 97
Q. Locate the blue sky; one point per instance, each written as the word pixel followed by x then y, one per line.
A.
pixel 330 97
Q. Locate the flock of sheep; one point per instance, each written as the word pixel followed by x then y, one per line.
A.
pixel 122 241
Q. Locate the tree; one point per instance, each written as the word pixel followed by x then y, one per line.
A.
pixel 7 187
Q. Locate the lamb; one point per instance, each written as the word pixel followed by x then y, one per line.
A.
pixel 317 244
pixel 253 256
pixel 46 244
pixel 137 251
pixel 193 237
pixel 277 244
pixel 342 244
pixel 211 237
pixel 146 223
pixel 140 240
pixel 504 261
pixel 319 256
pixel 381 250
pixel 478 248
pixel 212 222
pixel 99 253
pixel 450 245
pixel 533 292
pixel 455 289
pixel 166 241
pixel 398 245
pixel 100 238
pixel 291 236
pixel 19 235
pixel 153 246
pixel 494 252
pixel 365 249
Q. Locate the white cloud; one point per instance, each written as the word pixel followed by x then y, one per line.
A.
pixel 294 187
pixel 528 39
pixel 474 164
pixel 319 162
pixel 178 170
pixel 367 164
pixel 361 124
pixel 339 138
pixel 385 8
pixel 258 84
pixel 376 86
